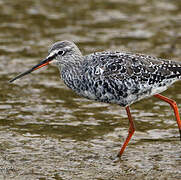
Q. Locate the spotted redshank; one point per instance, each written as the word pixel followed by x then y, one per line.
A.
pixel 113 77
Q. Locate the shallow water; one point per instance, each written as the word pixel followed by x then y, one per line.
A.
pixel 46 130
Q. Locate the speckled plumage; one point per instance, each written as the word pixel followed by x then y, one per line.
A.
pixel 114 77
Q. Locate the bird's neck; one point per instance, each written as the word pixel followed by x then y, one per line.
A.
pixel 71 71
pixel 71 62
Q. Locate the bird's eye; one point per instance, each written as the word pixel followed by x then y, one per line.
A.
pixel 61 52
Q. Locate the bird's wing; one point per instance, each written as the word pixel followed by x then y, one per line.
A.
pixel 128 65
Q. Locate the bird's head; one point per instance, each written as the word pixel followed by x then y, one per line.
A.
pixel 63 52
pixel 60 54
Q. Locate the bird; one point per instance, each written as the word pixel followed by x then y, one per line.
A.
pixel 121 78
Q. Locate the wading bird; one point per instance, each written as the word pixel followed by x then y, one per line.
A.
pixel 113 77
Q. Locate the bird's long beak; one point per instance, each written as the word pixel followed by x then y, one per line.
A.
pixel 40 65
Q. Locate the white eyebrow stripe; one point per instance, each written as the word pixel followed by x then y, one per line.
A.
pixel 53 53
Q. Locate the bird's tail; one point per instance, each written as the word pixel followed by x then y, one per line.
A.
pixel 175 69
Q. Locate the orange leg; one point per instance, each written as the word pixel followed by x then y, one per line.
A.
pixel 130 132
pixel 175 108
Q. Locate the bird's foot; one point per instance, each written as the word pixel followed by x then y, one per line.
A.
pixel 115 158
pixel 119 156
